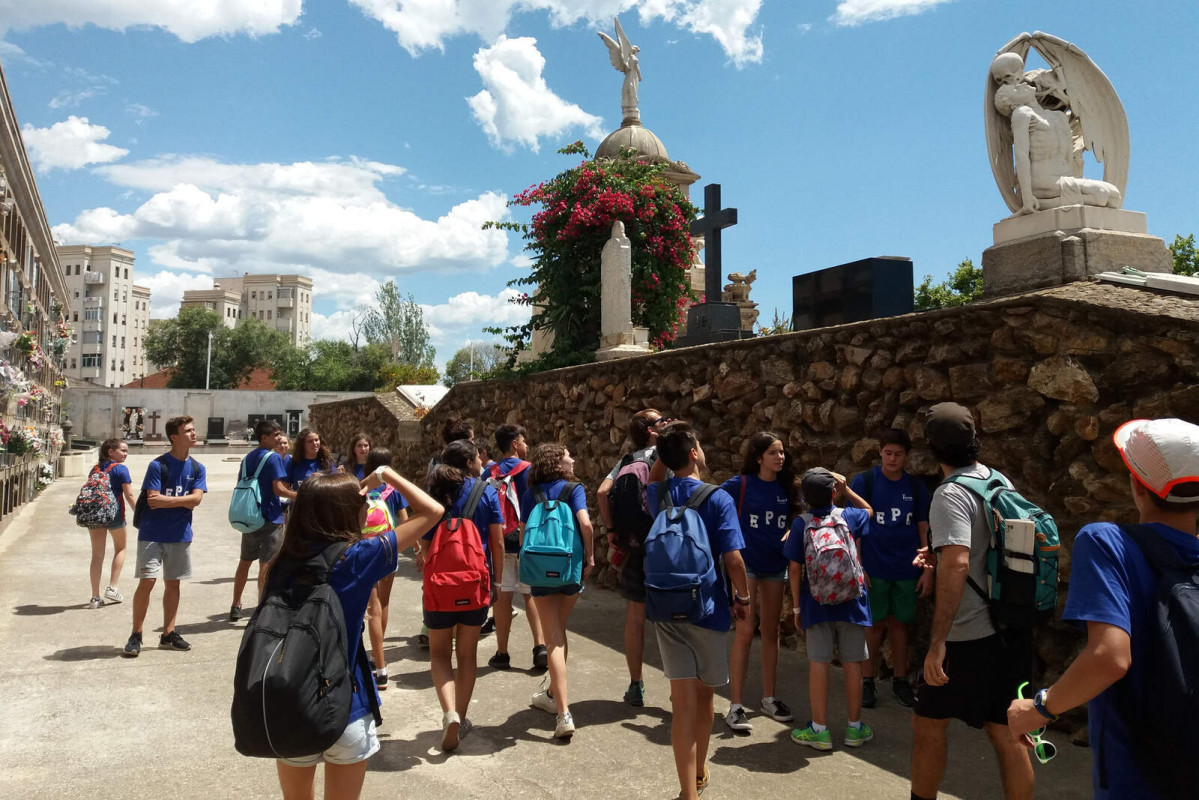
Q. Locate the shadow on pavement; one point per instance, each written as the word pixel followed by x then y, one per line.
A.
pixel 758 757
pixel 91 652
pixel 215 581
pixel 43 611
pixel 216 622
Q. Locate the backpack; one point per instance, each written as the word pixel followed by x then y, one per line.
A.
pixel 379 518
pixel 143 498
pixel 245 507
pixel 456 577
pixel 831 562
pixel 1022 559
pixel 631 519
pixel 1165 699
pixel 680 570
pixel 552 554
pixel 505 487
pixel 293 682
pixel 96 505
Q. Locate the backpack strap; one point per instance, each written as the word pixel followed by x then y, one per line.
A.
pixel 700 496
pixel 261 463
pixel 664 501
pixel 868 485
pixel 741 499
pixel 1161 556
pixel 472 499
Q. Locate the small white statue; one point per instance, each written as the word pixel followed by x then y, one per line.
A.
pixel 1040 122
pixel 623 55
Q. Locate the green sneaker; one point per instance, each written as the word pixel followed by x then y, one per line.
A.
pixel 810 738
pixel 856 737
pixel 635 694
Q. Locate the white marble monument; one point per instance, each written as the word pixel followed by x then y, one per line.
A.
pixel 618 337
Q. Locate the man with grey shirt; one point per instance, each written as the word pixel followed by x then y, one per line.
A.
pixel 972 668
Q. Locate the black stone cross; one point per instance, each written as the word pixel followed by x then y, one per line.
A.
pixel 709 226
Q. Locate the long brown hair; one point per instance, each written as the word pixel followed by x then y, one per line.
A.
pixel 323 456
pixel 757 446
pixel 547 464
pixel 327 509
pixel 351 456
pixel 106 448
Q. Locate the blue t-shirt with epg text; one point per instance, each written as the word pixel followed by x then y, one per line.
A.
pixel 172 478
pixel 719 513
pixel 888 551
pixel 763 517
pixel 272 470
pixel 812 611
pixel 1111 582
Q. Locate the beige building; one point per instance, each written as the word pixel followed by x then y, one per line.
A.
pixel 109 315
pixel 283 302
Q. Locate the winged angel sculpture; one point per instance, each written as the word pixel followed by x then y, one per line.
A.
pixel 623 55
pixel 1040 122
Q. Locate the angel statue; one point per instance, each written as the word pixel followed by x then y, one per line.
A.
pixel 623 55
pixel 1040 122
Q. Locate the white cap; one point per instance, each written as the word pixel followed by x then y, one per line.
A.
pixel 1163 454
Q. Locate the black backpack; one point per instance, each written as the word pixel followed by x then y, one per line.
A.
pixel 143 500
pixel 292 686
pixel 1167 696
pixel 631 519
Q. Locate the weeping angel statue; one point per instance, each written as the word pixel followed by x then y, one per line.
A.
pixel 1040 122
pixel 623 55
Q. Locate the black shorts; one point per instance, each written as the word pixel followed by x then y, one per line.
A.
pixel 440 620
pixel 632 578
pixel 983 677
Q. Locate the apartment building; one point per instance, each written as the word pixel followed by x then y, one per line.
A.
pixel 283 302
pixel 110 315
pixel 224 301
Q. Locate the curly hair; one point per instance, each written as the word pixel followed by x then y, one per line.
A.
pixel 456 428
pixel 547 464
pixel 323 456
pixel 757 446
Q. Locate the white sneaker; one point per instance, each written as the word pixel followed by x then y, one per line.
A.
pixel 566 726
pixel 450 729
pixel 113 595
pixel 95 602
pixel 542 700
pixel 738 720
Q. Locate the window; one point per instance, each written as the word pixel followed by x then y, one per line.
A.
pixel 114 341
pixel 115 295
pixel 123 319
pixel 92 314
pixel 270 295
pixel 74 316
pixel 77 268
pixel 122 341
pixel 253 295
pixel 126 273
pixel 125 295
pixel 114 365
pixel 268 314
pixel 122 366
pixel 73 361
pixel 114 319
pixel 76 295
pixel 90 360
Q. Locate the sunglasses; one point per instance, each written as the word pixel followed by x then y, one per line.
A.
pixel 1044 750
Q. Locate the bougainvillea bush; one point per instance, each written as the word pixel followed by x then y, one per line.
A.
pixel 572 223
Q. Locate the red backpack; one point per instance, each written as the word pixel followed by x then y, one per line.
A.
pixel 505 487
pixel 456 577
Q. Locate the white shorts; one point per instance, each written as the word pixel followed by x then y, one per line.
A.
pixel 511 581
pixel 358 742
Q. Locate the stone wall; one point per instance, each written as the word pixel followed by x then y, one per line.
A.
pixel 385 417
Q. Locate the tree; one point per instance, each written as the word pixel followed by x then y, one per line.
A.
pixel 336 366
pixel 965 285
pixel 780 324
pixel 1186 260
pixel 399 323
pixel 180 345
pixel 474 361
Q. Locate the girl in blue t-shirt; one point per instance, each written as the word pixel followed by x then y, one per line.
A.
pixel 328 509
pixel 113 453
pixel 552 469
pixel 376 616
pixel 451 483
pixel 355 459
pixel 767 499
pixel 308 455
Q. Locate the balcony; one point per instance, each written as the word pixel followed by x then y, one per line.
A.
pixel 93 278
pixel 93 302
pixel 89 373
pixel 90 325
pixel 286 302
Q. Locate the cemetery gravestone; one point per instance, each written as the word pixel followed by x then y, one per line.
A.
pixel 712 320
pixel 860 290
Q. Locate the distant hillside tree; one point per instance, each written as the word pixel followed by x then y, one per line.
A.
pixel 180 345
pixel 398 322
pixel 1186 261
pixel 473 362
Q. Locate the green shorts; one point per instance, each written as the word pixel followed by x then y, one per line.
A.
pixel 893 599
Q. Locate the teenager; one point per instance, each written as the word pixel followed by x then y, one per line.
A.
pixel 328 509
pixel 766 499
pixel 174 485
pixel 355 462
pixel 308 455
pixel 451 484
pixel 380 602
pixel 694 656
pixel 552 469
pixel 113 453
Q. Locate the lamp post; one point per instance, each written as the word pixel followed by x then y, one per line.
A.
pixel 208 368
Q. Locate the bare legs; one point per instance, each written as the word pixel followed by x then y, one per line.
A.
pixel 818 691
pixel 554 611
pixel 929 750
pixel 502 613
pixel 141 604
pixel 99 537
pixel 691 712
pixel 454 690
pixel 768 597
pixel 634 638
pixel 240 578
pixel 897 632
pixel 342 781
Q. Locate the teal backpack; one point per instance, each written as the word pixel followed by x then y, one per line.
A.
pixel 245 508
pixel 1022 561
pixel 552 553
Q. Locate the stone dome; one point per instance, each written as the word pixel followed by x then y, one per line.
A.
pixel 640 139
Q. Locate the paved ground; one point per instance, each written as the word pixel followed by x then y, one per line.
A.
pixel 82 722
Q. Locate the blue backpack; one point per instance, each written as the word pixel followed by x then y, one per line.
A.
pixel 680 570
pixel 245 509
pixel 552 553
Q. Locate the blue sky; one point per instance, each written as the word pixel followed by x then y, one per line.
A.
pixel 361 140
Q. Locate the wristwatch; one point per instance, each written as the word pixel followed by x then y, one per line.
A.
pixel 1038 702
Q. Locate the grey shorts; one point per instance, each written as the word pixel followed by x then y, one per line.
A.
pixel 689 651
pixel 358 742
pixel 172 559
pixel 850 641
pixel 262 544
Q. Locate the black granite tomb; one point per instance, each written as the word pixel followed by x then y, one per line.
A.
pixel 867 289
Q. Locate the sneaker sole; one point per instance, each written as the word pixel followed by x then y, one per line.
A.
pixel 787 718
pixel 131 653
pixel 739 728
pixel 857 742
pixel 112 600
pixel 564 735
pixel 824 747
pixel 162 646
pixel 635 703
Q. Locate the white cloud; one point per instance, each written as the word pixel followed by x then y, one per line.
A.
pixel 470 312
pixel 139 112
pixel 425 24
pixel 70 144
pixel 313 33
pixel 856 12
pixel 189 20
pixel 167 288
pixel 14 54
pixel 303 217
pixel 517 106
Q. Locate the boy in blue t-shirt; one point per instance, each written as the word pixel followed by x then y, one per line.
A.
pixel 1113 596
pixel 842 625
pixel 898 528
pixel 174 485
pixel 694 656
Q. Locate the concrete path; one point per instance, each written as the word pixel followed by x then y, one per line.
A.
pixel 82 722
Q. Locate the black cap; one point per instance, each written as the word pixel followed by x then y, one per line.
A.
pixel 949 425
pixel 818 485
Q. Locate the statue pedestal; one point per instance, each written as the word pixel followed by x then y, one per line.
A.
pixel 1060 256
pixel 624 344
pixel 1069 218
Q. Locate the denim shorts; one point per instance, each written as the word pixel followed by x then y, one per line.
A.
pixel 358 742
pixel 772 577
pixel 549 591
